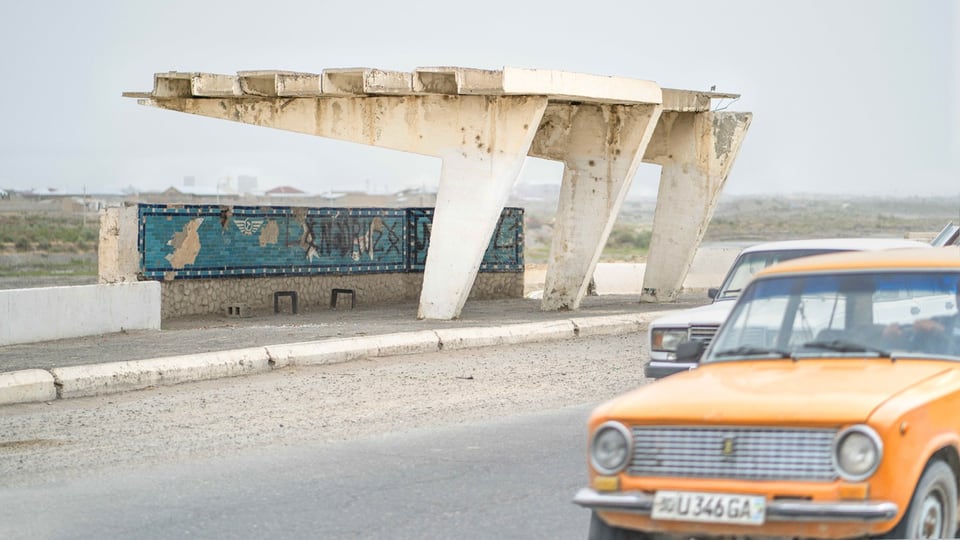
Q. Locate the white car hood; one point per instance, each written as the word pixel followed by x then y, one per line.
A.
pixel 710 314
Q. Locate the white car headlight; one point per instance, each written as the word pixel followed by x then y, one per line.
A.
pixel 611 448
pixel 666 339
pixel 857 452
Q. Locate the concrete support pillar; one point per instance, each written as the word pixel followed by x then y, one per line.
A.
pixel 601 146
pixel 475 181
pixel 117 254
pixel 696 151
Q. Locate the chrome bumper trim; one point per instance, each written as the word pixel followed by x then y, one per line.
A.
pixel 659 369
pixel 638 502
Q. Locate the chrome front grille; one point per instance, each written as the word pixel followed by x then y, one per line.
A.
pixel 703 333
pixel 734 453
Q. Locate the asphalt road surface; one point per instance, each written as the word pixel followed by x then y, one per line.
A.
pixel 484 443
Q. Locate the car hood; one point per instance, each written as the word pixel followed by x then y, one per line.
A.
pixel 782 392
pixel 710 314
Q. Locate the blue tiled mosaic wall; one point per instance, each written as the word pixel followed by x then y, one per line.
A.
pixel 208 241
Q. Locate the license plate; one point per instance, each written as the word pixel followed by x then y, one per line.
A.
pixel 709 507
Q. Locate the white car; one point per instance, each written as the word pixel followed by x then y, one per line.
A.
pixel 701 323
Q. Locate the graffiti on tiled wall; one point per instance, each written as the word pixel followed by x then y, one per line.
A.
pixel 210 241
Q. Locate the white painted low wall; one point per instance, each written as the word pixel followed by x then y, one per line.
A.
pixel 49 313
pixel 708 268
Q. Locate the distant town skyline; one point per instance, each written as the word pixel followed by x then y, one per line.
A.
pixel 855 97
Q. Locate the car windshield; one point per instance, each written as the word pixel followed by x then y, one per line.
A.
pixel 749 264
pixel 873 314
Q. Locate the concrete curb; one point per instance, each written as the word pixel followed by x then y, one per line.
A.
pixel 345 350
pixel 110 378
pixel 466 338
pixel 38 385
pixel 26 385
pixel 613 324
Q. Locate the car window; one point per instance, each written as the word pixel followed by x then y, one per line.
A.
pixel 813 315
pixel 749 264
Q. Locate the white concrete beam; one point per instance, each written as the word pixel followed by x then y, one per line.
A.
pixel 213 85
pixel 564 85
pixel 601 147
pixel 360 81
pixel 298 84
pixel 172 85
pixel 261 83
pixel 696 152
pixel 408 123
pixel 692 100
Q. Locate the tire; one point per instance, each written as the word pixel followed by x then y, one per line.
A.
pixel 932 512
pixel 599 530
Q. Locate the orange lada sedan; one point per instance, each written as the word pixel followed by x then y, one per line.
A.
pixel 827 406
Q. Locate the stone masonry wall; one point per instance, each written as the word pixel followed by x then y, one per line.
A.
pixel 206 296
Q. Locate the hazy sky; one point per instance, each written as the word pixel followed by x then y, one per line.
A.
pixel 848 97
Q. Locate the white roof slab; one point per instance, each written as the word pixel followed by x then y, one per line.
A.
pixel 555 85
pixel 360 81
pixel 363 81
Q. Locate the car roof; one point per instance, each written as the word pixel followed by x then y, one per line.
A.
pixel 838 244
pixel 942 258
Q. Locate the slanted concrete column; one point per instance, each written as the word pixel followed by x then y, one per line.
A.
pixel 479 169
pixel 601 147
pixel 696 151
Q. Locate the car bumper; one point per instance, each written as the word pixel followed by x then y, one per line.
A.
pixel 638 502
pixel 660 369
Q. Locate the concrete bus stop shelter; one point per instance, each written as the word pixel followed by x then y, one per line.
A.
pixel 482 124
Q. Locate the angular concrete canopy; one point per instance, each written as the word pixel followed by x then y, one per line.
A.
pixel 482 124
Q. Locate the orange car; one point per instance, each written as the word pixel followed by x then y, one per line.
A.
pixel 827 406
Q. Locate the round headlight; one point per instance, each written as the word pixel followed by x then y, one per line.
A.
pixel 857 452
pixel 610 448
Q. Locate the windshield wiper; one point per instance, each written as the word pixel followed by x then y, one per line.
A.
pixel 751 351
pixel 840 345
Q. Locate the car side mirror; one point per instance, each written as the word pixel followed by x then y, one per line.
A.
pixel 690 350
pixel 712 292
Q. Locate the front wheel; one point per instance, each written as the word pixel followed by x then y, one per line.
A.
pixel 933 509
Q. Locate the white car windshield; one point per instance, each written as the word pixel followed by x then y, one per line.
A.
pixel 876 313
pixel 749 264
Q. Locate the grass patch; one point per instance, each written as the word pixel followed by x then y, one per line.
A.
pixel 56 234
pixel 71 268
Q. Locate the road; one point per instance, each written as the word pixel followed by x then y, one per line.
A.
pixel 485 443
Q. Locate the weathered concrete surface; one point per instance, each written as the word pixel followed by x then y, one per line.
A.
pixel 27 386
pixel 434 111
pixel 97 379
pixel 479 170
pixel 600 147
pixel 696 152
